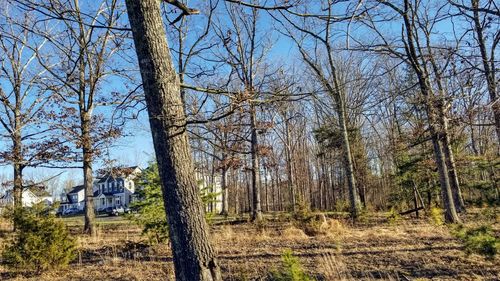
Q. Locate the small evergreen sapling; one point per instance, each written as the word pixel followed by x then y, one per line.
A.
pixel 150 209
pixel 41 241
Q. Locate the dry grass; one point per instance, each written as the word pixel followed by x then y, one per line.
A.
pixel 409 249
pixel 293 233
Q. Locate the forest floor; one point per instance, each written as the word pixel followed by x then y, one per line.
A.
pixel 374 249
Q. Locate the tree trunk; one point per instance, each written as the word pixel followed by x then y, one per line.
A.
pixel 448 202
pixel 225 193
pixel 420 68
pixel 278 188
pixel 415 200
pixel 452 170
pixel 194 257
pixel 18 170
pixel 18 186
pixel 89 226
pixel 289 170
pixel 236 181
pixel 266 185
pixel 256 205
pixel 348 162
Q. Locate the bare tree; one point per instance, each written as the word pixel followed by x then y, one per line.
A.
pixel 86 42
pixel 244 51
pixel 415 48
pixel 484 19
pixel 320 59
pixel 24 99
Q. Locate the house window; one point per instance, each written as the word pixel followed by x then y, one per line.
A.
pixel 103 201
pixel 117 201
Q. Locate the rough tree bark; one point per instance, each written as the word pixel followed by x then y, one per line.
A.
pixel 256 207
pixel 288 158
pixel 88 180
pixel 452 170
pixel 194 257
pixel 351 180
pixel 18 168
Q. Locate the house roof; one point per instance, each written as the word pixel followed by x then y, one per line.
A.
pixel 116 172
pixel 10 194
pixel 103 179
pixel 76 189
pixel 40 191
pixel 35 189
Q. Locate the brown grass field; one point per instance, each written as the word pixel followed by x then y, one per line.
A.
pixel 373 249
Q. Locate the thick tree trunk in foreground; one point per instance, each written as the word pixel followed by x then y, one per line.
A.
pixel 194 257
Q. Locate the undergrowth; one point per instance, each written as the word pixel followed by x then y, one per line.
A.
pixel 291 269
pixel 480 240
pixel 41 241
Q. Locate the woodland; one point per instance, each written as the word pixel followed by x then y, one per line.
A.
pixel 350 139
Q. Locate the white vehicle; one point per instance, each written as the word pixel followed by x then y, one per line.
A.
pixel 119 210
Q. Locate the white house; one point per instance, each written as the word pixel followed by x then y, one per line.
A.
pixel 32 194
pixel 28 198
pixel 213 185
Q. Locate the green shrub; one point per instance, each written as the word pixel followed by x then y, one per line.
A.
pixel 208 197
pixel 393 216
pixel 291 269
pixel 489 214
pixel 302 212
pixel 41 241
pixel 342 206
pixel 364 215
pixel 150 209
pixel 479 240
pixel 436 216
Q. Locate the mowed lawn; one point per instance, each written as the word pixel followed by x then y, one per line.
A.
pixel 78 221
